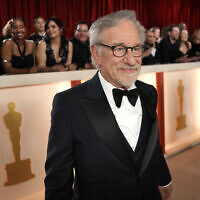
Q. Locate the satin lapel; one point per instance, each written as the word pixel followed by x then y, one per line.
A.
pixel 148 98
pixel 101 117
pixel 150 146
pixel 145 117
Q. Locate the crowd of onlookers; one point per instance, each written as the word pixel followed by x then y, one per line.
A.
pixel 175 45
pixel 48 50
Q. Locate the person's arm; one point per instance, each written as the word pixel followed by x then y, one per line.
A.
pixel 41 56
pixel 60 153
pixel 33 69
pixel 165 185
pixel 69 58
pixel 165 180
pixel 6 56
pixel 41 60
pixel 182 59
pixel 193 59
pixel 34 51
pixel 189 45
pixel 147 52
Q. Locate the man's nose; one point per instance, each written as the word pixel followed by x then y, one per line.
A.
pixel 129 58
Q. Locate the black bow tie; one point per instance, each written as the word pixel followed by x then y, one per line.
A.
pixel 131 94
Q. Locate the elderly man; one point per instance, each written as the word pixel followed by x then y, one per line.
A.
pixel 106 128
pixel 81 56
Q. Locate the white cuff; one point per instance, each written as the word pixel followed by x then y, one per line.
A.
pixel 166 185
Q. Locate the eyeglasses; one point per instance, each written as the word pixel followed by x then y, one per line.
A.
pixel 120 50
pixel 80 30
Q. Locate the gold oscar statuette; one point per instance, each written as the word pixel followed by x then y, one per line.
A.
pixel 181 119
pixel 20 170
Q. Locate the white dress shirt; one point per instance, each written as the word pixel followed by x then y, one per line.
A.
pixel 128 117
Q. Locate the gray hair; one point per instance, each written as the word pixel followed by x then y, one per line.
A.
pixel 112 20
pixel 109 21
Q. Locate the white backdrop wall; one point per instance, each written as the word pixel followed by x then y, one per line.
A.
pixel 34 102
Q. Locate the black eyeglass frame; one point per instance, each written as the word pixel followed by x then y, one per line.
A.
pixel 126 48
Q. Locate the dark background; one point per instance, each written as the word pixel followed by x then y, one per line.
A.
pixel 150 12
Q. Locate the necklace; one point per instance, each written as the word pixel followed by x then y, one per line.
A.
pixel 22 54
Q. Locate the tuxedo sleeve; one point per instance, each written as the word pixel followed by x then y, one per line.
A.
pixel 164 173
pixel 60 154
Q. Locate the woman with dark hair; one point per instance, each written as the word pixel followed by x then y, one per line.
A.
pixel 55 52
pixel 17 53
pixel 184 47
pixel 156 31
pixel 194 53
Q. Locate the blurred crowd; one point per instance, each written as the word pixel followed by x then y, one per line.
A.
pixel 174 45
pixel 47 50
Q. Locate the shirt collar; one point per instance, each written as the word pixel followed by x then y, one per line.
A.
pixel 42 35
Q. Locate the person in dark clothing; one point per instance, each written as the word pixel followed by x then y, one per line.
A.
pixel 194 53
pixel 40 34
pixel 150 54
pixel 184 48
pixel 55 52
pixel 169 45
pixel 17 53
pixel 81 51
pixel 106 129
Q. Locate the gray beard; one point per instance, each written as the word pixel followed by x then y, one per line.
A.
pixel 128 83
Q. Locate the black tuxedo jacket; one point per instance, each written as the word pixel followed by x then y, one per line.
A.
pixel 84 135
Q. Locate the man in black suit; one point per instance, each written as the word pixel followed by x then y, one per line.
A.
pixel 81 56
pixel 169 46
pixel 106 128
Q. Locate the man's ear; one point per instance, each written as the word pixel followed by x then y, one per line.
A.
pixel 95 55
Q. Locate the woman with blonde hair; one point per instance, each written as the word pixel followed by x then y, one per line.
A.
pixel 184 47
pixel 6 31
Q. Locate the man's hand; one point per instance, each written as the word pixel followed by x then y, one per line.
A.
pixel 147 53
pixel 165 191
